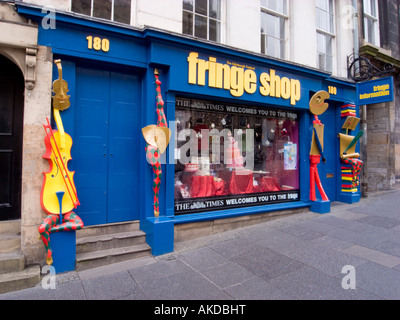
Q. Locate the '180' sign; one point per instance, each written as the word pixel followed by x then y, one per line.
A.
pixel 97 43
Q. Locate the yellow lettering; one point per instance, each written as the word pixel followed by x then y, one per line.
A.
pixel 236 81
pixel 264 79
pixel 250 79
pixel 275 84
pixel 285 88
pixel 211 72
pixel 238 78
pixel 203 66
pixel 295 91
pixel 223 72
pixel 192 59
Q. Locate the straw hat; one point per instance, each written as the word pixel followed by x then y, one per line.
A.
pixel 317 102
pixel 157 136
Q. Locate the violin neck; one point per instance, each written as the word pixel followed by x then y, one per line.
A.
pixel 60 127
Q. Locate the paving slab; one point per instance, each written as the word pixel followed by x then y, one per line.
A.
pixel 257 289
pixel 381 258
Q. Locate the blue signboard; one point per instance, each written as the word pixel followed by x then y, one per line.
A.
pixel 375 91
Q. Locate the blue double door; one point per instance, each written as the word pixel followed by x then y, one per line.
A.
pixel 328 172
pixel 106 144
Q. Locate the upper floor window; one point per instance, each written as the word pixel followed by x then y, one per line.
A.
pixel 371 22
pixel 274 16
pixel 114 10
pixel 325 34
pixel 202 19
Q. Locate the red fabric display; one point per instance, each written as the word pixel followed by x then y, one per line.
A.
pixel 202 186
pixel 269 184
pixel 241 183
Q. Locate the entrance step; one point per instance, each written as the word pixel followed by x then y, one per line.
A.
pixel 13 273
pixel 9 242
pixel 11 262
pixel 106 244
pixel 26 278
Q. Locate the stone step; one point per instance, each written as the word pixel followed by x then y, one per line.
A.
pixel 9 242
pixel 11 262
pixel 10 227
pixel 109 241
pixel 19 280
pixel 98 230
pixel 99 258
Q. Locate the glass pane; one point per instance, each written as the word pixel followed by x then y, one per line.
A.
pixel 201 7
pixel 122 11
pixel 370 31
pixel 188 5
pixel 373 8
pixel 276 5
pixel 323 4
pixel 273 28
pixel 81 6
pixel 328 40
pixel 102 9
pixel 321 61
pixel 214 149
pixel 329 62
pixel 187 27
pixel 200 27
pixel 215 9
pixel 214 30
pixel 263 43
pixel 321 45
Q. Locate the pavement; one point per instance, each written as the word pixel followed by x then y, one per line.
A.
pixel 351 253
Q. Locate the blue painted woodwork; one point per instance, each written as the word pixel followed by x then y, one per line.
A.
pixel 104 90
pixel 106 121
pixel 63 245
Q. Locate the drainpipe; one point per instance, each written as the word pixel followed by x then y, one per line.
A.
pixel 363 110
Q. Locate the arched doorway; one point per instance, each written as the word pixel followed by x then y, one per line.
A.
pixel 11 129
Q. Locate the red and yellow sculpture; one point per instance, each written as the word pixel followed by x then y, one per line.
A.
pixel 317 107
pixel 352 165
pixel 58 196
pixel 157 138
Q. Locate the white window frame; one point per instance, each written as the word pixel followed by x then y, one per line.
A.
pixel 327 33
pixel 367 15
pixel 285 16
pixel 222 21
pixel 131 17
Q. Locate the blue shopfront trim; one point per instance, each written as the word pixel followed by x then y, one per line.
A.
pixel 145 49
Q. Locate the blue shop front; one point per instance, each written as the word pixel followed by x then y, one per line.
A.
pixel 241 127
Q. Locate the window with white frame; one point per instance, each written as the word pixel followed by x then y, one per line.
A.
pixel 274 16
pixel 325 34
pixel 371 21
pixel 202 19
pixel 114 10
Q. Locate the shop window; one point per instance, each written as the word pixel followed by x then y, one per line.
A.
pixel 273 27
pixel 202 19
pixel 114 10
pixel 230 156
pixel 325 34
pixel 371 22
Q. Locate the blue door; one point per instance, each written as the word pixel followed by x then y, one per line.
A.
pixel 328 171
pixel 106 145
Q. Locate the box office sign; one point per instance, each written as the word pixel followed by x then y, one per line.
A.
pixel 375 91
pixel 236 201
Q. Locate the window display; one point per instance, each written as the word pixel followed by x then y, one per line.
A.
pixel 230 156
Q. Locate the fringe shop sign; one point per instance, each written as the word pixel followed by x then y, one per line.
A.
pixel 241 78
